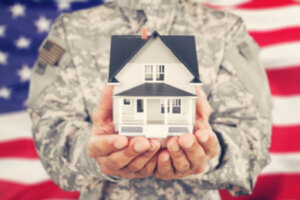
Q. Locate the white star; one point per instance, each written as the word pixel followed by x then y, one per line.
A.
pixel 22 43
pixel 64 4
pixel 24 73
pixel 17 10
pixel 3 58
pixel 43 24
pixel 5 93
pixel 2 30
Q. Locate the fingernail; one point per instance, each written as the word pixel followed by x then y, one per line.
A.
pixel 139 147
pixel 120 144
pixel 154 145
pixel 203 137
pixel 165 157
pixel 188 142
pixel 175 147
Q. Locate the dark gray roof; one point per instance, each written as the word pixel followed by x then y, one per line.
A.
pixel 124 47
pixel 155 89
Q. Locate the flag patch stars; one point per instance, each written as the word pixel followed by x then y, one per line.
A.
pixel 43 24
pixel 51 53
pixel 22 43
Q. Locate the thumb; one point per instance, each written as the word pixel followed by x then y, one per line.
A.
pixel 103 111
pixel 202 106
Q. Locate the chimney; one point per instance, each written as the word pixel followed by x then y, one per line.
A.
pixel 144 33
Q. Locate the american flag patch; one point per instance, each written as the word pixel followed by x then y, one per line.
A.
pixel 51 53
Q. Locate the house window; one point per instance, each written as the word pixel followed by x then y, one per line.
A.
pixel 176 106
pixel 149 72
pixel 154 74
pixel 140 106
pixel 160 72
pixel 127 102
pixel 163 107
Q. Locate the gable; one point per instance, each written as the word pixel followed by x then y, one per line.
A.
pixel 125 47
pixel 154 51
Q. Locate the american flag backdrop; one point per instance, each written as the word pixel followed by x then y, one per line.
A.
pixel 274 24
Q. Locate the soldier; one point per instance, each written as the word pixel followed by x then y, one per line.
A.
pixel 73 130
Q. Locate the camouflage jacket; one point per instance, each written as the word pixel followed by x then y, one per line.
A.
pixel 63 95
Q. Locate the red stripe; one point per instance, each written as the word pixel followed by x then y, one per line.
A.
pixel 266 38
pixel 284 81
pixel 259 4
pixel 285 139
pixel 263 4
pixel 21 148
pixel 272 187
pixel 44 190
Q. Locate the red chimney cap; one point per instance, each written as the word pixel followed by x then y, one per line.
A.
pixel 144 33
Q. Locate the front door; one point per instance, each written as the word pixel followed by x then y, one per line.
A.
pixel 154 115
pixel 139 109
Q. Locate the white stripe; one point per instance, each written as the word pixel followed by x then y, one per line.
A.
pixel 22 170
pixel 270 18
pixel 14 126
pixel 281 55
pixel 31 171
pixel 224 2
pixel 18 125
pixel 286 111
pixel 283 163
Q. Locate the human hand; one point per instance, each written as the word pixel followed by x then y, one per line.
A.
pixel 190 153
pixel 119 155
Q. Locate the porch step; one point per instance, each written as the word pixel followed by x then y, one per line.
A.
pixel 154 130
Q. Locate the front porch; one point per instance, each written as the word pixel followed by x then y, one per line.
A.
pixel 162 110
pixel 155 116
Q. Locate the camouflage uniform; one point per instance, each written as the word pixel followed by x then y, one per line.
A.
pixel 63 96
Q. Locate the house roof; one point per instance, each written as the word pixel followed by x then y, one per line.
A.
pixel 155 89
pixel 124 47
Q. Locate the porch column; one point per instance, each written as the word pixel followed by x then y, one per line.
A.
pixel 191 111
pixel 145 110
pixel 166 110
pixel 120 112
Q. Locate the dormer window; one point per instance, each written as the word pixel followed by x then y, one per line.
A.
pixel 154 73
pixel 148 72
pixel 160 72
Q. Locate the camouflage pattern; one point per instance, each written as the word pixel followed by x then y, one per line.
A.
pixel 62 98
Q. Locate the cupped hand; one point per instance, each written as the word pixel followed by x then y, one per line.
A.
pixel 119 155
pixel 189 154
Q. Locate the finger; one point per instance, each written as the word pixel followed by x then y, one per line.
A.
pixel 209 141
pixel 203 108
pixel 103 145
pixel 149 168
pixel 103 111
pixel 179 159
pixel 105 129
pixel 139 162
pixel 194 152
pixel 164 166
pixel 201 124
pixel 120 159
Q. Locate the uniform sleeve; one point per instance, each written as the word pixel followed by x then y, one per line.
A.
pixel 241 119
pixel 61 125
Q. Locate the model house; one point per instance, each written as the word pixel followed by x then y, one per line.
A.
pixel 154 80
